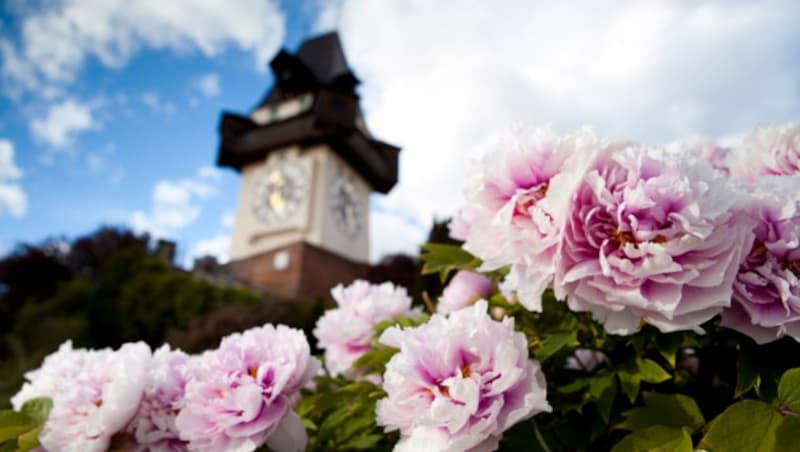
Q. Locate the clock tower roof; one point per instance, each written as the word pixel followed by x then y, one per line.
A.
pixel 313 101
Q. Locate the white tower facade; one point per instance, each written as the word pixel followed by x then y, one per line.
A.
pixel 309 195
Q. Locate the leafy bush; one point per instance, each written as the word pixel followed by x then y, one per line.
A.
pixel 607 296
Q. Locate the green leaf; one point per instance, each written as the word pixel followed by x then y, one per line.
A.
pixel 746 426
pixel 768 379
pixel 366 442
pixel 787 435
pixel 746 374
pixel 575 386
pixel 38 408
pixel 603 390
pixel 341 415
pixel 651 372
pixel 668 346
pixel 555 342
pixel 29 440
pixel 634 372
pixel 374 360
pixel 13 424
pixel 669 410
pixel 442 259
pixel 656 439
pixel 405 322
pixel 789 390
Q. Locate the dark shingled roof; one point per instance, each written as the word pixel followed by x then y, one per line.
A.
pixel 320 63
pixel 318 67
pixel 325 57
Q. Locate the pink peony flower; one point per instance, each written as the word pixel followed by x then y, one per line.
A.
pixel 345 333
pixel 153 428
pixel 651 237
pixel 767 289
pixel 585 360
pixel 464 289
pixel 458 382
pixel 55 376
pixel 459 225
pixel 97 396
pixel 769 150
pixel 240 395
pixel 712 153
pixel 515 218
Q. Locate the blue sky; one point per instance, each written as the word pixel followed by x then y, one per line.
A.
pixel 108 112
pixel 152 120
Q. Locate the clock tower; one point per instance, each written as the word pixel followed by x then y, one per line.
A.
pixel 308 164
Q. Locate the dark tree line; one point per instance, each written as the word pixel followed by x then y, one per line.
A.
pixel 100 290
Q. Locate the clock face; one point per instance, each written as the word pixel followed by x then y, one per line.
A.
pixel 280 191
pixel 345 204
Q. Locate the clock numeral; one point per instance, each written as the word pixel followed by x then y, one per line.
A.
pixel 345 201
pixel 280 191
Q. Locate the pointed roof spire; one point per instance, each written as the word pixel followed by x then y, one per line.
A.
pixel 325 57
pixel 319 63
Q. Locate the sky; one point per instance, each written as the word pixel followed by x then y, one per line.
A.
pixel 109 110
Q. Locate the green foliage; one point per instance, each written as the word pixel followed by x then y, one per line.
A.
pixel 748 425
pixel 668 410
pixel 443 259
pixel 340 415
pixel 789 391
pixel 19 430
pixel 374 361
pixel 747 376
pixel 403 322
pixel 37 409
pixel 109 288
pixel 634 372
pixel 652 391
pixel 656 438
pixel 552 343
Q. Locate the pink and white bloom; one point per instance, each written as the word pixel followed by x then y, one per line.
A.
pixel 514 217
pixel 59 369
pixel 97 397
pixel 652 237
pixel 585 359
pixel 458 382
pixel 767 288
pixel 711 152
pixel 770 150
pixel 240 395
pixel 346 333
pixel 464 289
pixel 459 225
pixel 153 427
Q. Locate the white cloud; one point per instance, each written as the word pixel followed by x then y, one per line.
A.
pixel 56 42
pixel 175 205
pixel 645 70
pixel 16 73
pixel 208 85
pixel 153 101
pixel 13 199
pixel 218 245
pixel 95 162
pixel 393 231
pixel 8 168
pixel 62 122
pixel 209 172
